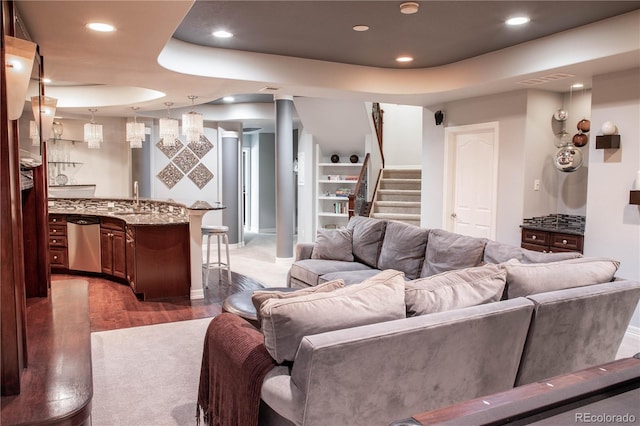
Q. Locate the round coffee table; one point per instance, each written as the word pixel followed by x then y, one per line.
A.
pixel 240 303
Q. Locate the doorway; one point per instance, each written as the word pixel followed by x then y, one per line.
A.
pixel 246 188
pixel 471 179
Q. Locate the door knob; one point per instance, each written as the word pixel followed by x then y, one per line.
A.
pixel 454 215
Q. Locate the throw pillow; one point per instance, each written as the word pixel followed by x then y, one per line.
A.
pixel 368 234
pixel 286 321
pixel 455 289
pixel 525 279
pixel 403 248
pixel 447 251
pixel 260 296
pixel 333 244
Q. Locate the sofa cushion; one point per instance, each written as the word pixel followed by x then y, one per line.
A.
pixel 455 289
pixel 447 251
pixel 258 297
pixel 525 279
pixel 349 277
pixel 496 252
pixel 309 270
pixel 333 244
pixel 368 234
pixel 403 248
pixel 286 321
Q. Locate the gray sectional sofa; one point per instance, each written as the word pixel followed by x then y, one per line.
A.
pixel 376 343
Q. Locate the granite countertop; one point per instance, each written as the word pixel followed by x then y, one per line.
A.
pixel 567 224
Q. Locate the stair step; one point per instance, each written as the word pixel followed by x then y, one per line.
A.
pixel 402 173
pixel 394 183
pixel 398 195
pixel 411 219
pixel 401 207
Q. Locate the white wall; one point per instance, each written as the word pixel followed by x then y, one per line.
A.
pixel 613 225
pixel 109 167
pixel 509 110
pixel 402 135
pixel 306 187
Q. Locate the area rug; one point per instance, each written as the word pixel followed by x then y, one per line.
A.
pixel 147 376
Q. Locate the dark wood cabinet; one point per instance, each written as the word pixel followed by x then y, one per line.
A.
pixel 551 241
pixel 158 261
pixel 113 247
pixel 58 258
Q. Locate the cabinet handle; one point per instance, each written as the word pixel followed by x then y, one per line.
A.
pixel 55 257
pixel 54 231
pixel 534 237
pixel 54 220
pixel 55 241
pixel 564 241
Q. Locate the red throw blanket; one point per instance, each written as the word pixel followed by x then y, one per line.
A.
pixel 234 364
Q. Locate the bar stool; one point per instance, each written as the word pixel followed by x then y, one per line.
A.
pixel 219 232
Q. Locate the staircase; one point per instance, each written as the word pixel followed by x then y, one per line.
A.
pixel 398 196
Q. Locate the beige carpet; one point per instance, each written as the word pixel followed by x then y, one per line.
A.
pixel 147 376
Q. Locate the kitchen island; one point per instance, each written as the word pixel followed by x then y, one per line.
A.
pixel 145 244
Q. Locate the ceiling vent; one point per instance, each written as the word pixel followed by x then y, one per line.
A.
pixel 546 79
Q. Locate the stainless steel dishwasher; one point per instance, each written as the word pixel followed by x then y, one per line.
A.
pixel 83 243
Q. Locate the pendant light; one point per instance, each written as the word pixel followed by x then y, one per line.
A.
pixel 135 131
pixel 33 133
pixel 192 123
pixel 93 132
pixel 169 128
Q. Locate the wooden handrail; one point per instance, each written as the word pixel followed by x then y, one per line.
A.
pixel 377 114
pixel 361 181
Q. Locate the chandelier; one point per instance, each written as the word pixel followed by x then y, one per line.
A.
pixel 93 132
pixel 192 123
pixel 135 131
pixel 169 128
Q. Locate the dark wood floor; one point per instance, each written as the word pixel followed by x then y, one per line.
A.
pixel 113 305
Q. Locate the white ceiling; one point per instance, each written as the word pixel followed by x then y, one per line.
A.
pixel 306 48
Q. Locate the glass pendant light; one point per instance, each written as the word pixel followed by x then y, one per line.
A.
pixel 169 128
pixel 33 133
pixel 135 131
pixel 192 123
pixel 93 132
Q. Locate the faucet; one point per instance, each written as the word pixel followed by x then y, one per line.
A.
pixel 136 195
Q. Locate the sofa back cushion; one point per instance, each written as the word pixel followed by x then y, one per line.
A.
pixel 447 251
pixel 525 279
pixel 286 321
pixel 576 328
pixel 367 236
pixel 333 244
pixel 403 248
pixel 455 289
pixel 496 252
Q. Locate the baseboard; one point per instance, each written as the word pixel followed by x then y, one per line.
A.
pixel 196 294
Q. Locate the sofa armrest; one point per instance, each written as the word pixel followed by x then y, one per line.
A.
pixel 303 251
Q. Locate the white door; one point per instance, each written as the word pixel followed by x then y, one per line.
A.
pixel 471 179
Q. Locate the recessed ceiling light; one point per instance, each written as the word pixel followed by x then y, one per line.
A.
pixel 228 99
pixel 222 34
pixel 517 20
pixel 577 86
pixel 46 80
pixel 101 27
pixel 404 59
pixel 360 28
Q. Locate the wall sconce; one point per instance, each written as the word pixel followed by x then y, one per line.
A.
pixel 44 109
pixel 19 58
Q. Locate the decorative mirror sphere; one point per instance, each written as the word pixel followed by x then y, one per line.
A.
pixel 580 139
pixel 568 159
pixel 562 139
pixel 561 115
pixel 584 125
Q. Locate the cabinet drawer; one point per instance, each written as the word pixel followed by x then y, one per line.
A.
pixel 566 242
pixel 535 237
pixel 534 247
pixel 58 257
pixel 55 230
pixel 57 219
pixel 57 241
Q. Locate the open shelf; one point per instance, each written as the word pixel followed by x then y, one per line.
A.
pixel 634 197
pixel 608 142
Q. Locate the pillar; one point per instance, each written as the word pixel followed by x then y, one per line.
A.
pixel 230 170
pixel 285 194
